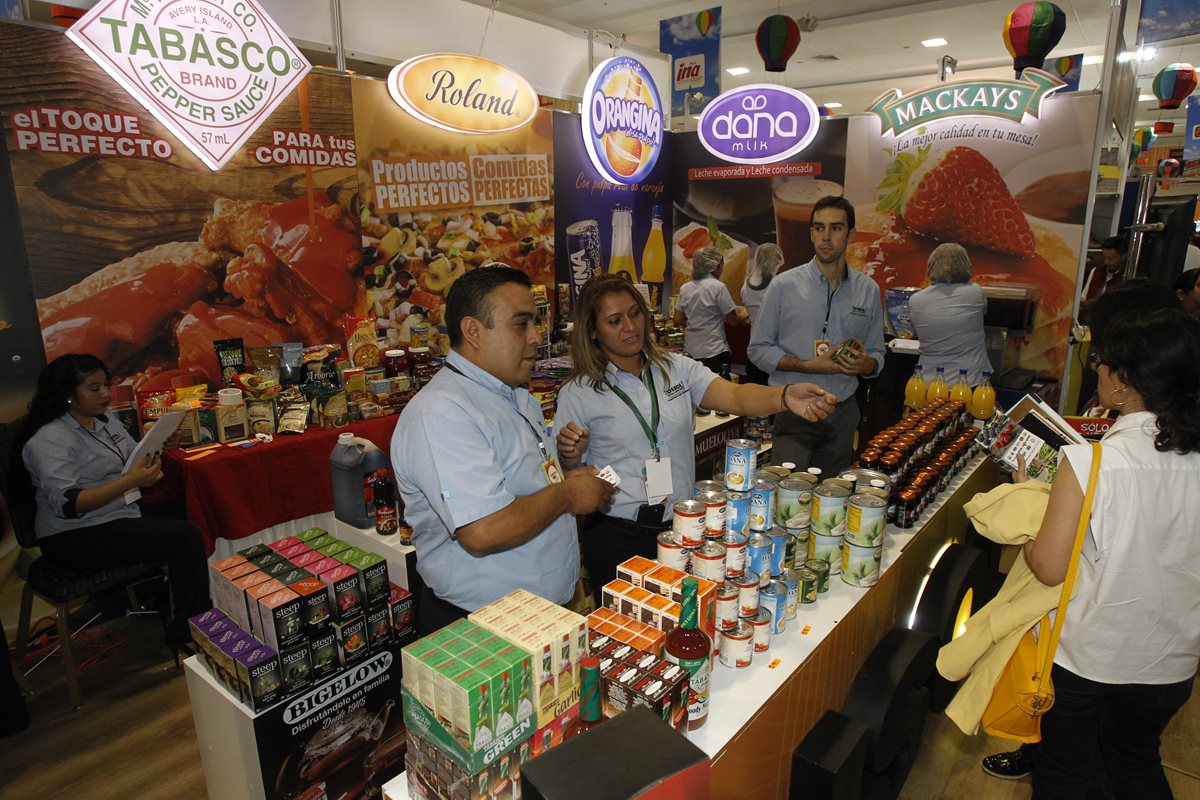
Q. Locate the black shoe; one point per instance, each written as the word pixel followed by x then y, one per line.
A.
pixel 702 412
pixel 1012 765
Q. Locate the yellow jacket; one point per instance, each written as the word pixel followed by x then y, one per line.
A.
pixel 1009 514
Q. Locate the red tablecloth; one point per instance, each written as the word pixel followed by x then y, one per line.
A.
pixel 235 492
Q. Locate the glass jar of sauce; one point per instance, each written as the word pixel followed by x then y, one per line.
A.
pixel 395 363
pixel 421 364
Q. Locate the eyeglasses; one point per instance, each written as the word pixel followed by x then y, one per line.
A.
pixel 1094 361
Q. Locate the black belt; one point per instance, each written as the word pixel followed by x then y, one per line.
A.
pixel 626 525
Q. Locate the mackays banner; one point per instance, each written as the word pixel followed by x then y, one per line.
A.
pixel 125 244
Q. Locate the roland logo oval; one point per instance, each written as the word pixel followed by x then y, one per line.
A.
pixel 462 93
pixel 758 124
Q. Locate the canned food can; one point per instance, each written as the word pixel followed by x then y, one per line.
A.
pixel 728 607
pixel 821 568
pixel 737 646
pixel 827 549
pixel 758 555
pixel 706 486
pixel 735 553
pixel 791 580
pixel 671 550
pixel 798 541
pixel 779 540
pixel 829 509
pixel 808 585
pixel 774 599
pixel 708 562
pixel 748 594
pixel 762 500
pixel 741 459
pixel 860 565
pixel 866 519
pixel 737 512
pixel 714 512
pixel 794 502
pixel 688 522
pixel 841 483
pixel 761 622
pixel 769 475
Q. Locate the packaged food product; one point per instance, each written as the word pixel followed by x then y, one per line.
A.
pixel 362 350
pixel 231 355
pixel 290 372
pixel 294 418
pixel 265 361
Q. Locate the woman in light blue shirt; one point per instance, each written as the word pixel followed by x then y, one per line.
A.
pixel 627 404
pixel 948 317
pixel 703 308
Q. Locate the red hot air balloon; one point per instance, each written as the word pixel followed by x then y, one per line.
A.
pixel 777 39
pixel 1173 83
pixel 704 21
pixel 1031 31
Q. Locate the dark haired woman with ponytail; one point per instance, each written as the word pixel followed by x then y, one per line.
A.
pixel 1131 640
pixel 74 455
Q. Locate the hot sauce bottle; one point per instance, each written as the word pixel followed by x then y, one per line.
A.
pixel 690 648
pixel 589 697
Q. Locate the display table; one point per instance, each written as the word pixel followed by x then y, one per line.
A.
pixel 759 715
pixel 234 492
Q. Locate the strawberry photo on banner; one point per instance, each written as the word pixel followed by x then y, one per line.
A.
pixel 1014 194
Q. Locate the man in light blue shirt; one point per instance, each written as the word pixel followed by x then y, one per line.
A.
pixel 808 314
pixel 490 509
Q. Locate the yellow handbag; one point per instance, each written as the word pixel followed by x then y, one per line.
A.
pixel 1024 691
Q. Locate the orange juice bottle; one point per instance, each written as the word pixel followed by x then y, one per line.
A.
pixel 914 390
pixel 961 391
pixel 620 258
pixel 983 401
pixel 654 259
pixel 938 388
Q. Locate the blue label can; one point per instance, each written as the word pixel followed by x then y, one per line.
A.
pixel 779 538
pixel 758 556
pixel 791 580
pixel 774 599
pixel 737 512
pixel 741 460
pixel 762 505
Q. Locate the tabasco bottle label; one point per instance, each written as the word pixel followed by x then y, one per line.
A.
pixel 698 669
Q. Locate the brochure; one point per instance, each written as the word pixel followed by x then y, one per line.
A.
pixel 1031 429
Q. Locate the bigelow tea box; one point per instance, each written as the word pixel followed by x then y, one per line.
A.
pixel 342 584
pixel 310 534
pixel 401 604
pixel 279 616
pixel 323 649
pixel 332 548
pixel 279 545
pixel 305 559
pixel 352 640
pixel 198 623
pixel 372 577
pixel 238 610
pixel 253 595
pixel 315 605
pixel 222 583
pixel 350 554
pixel 296 664
pixel 260 678
pixel 254 551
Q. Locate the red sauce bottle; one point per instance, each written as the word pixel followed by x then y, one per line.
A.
pixel 690 648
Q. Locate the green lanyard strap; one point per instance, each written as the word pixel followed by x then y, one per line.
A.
pixel 651 429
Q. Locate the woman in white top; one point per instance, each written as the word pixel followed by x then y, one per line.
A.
pixel 768 258
pixel 1131 641
pixel 948 317
pixel 703 308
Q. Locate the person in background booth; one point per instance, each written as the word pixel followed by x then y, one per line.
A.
pixel 1111 271
pixel 74 454
pixel 703 308
pixel 948 317
pixel 1187 289
pixel 768 258
pixel 490 509
pixel 628 405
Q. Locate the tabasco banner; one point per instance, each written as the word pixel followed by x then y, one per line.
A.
pixel 1012 191
pixel 441 202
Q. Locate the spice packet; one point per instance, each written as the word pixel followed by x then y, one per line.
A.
pixel 294 418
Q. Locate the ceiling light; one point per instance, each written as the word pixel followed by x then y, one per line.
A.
pixel 737 70
pixel 1147 53
pixel 833 105
pixel 1142 98
pixel 939 42
pixel 1089 60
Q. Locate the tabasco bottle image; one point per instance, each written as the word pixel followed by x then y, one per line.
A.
pixel 690 648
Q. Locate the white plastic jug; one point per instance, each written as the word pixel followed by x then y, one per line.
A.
pixel 352 465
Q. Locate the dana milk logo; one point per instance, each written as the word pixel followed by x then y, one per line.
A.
pixel 211 71
pixel 758 124
pixel 622 120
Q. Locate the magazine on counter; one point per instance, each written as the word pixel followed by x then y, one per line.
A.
pixel 1031 429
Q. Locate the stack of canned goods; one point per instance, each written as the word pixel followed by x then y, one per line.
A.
pixel 919 457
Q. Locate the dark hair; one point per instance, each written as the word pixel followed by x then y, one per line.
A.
pixel 588 361
pixel 835 201
pixel 469 296
pixel 1118 243
pixel 1158 354
pixel 55 384
pixel 1186 281
pixel 1137 294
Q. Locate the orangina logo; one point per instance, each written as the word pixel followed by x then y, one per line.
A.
pixel 622 120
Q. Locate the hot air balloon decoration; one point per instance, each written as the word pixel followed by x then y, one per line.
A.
pixel 704 21
pixel 1031 30
pixel 777 39
pixel 1169 168
pixel 1064 65
pixel 1144 138
pixel 1163 127
pixel 1173 83
pixel 64 16
pixel 824 111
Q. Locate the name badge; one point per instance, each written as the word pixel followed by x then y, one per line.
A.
pixel 820 347
pixel 657 474
pixel 552 470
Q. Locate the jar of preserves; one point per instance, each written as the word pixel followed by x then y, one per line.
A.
pixel 421 364
pixel 906 508
pixel 890 465
pixel 395 363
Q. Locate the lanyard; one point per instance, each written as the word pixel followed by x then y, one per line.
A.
pixel 651 429
pixel 829 293
pixel 536 436
pixel 104 444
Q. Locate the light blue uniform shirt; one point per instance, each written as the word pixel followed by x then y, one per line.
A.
pixel 617 439
pixel 63 458
pixel 793 316
pixel 949 322
pixel 705 303
pixel 463 450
